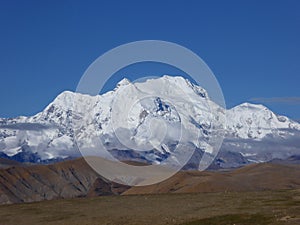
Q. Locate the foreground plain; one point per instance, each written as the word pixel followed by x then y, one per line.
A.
pixel 263 207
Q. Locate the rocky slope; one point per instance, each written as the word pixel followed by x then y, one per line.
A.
pixel 23 183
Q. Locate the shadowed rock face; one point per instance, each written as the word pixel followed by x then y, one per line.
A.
pixel 68 179
pixel 101 187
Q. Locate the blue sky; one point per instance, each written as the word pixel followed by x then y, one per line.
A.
pixel 253 47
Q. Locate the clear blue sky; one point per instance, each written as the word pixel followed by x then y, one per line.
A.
pixel 253 47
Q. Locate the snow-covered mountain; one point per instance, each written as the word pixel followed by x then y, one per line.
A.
pixel 151 121
pixel 256 122
pixel 259 134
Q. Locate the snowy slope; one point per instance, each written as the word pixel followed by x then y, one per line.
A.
pixel 153 118
pixel 256 122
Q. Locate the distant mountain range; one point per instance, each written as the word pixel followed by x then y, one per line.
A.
pixel 146 122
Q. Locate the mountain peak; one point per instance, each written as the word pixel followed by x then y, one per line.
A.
pixel 65 94
pixel 250 106
pixel 123 82
pixel 179 82
pixel 64 98
pixel 173 78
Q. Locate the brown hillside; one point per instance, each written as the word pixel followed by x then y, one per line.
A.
pixel 6 163
pixel 256 177
pixel 67 179
pixel 74 178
